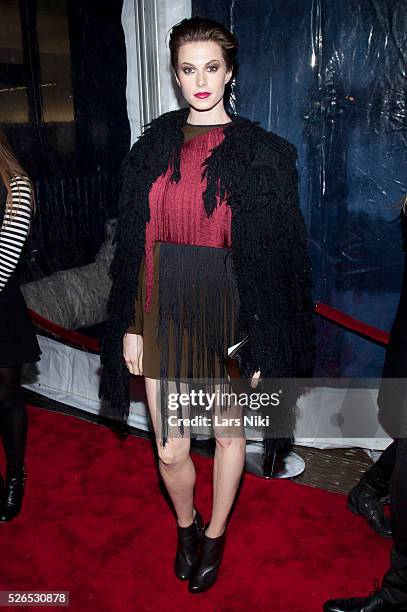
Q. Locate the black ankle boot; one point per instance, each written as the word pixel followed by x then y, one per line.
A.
pixel 13 494
pixel 364 499
pixel 206 569
pixel 189 539
pixel 372 603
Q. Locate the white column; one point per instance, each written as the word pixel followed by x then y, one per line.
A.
pixel 170 12
pixel 132 87
pixel 151 89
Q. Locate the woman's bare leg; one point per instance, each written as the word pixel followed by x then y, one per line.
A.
pixel 227 470
pixel 230 454
pixel 175 464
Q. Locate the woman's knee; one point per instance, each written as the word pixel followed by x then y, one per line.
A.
pixel 226 442
pixel 175 452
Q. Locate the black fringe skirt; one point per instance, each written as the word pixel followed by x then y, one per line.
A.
pixel 194 316
pixel 198 310
pixel 192 322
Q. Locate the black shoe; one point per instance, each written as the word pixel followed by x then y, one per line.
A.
pixel 189 539
pixel 364 499
pixel 372 603
pixel 206 569
pixel 13 494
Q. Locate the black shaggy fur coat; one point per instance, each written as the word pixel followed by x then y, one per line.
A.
pixel 257 169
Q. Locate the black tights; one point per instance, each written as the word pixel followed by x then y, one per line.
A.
pixel 13 417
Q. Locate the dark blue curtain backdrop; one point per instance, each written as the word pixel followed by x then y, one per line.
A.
pixel 331 78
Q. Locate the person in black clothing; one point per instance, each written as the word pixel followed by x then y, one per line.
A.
pixel 366 496
pixel 264 294
pixel 18 342
pixel 389 473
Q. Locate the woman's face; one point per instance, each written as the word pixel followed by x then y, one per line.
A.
pixel 202 69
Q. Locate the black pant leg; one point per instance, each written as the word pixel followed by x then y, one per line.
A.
pixel 398 497
pixel 395 580
pixel 387 459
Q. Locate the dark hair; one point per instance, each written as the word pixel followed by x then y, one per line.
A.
pixel 202 29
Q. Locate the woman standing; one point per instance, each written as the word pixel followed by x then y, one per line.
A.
pixel 210 247
pixel 18 342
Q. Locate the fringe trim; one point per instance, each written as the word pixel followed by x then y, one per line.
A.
pixel 199 298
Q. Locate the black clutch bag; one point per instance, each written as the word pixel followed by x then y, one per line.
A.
pixel 234 366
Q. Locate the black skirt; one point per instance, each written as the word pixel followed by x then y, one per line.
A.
pixel 18 341
pixel 193 314
pixel 196 314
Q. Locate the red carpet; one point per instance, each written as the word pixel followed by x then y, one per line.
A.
pixel 96 524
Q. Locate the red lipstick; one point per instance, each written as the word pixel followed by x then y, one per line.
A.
pixel 202 94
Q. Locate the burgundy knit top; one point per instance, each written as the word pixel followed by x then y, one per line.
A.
pixel 177 212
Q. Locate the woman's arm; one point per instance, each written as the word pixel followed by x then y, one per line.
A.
pixel 133 353
pixel 14 230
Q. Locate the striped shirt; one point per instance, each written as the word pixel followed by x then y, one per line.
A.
pixel 15 227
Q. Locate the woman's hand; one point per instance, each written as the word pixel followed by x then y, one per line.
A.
pixel 255 379
pixel 133 353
